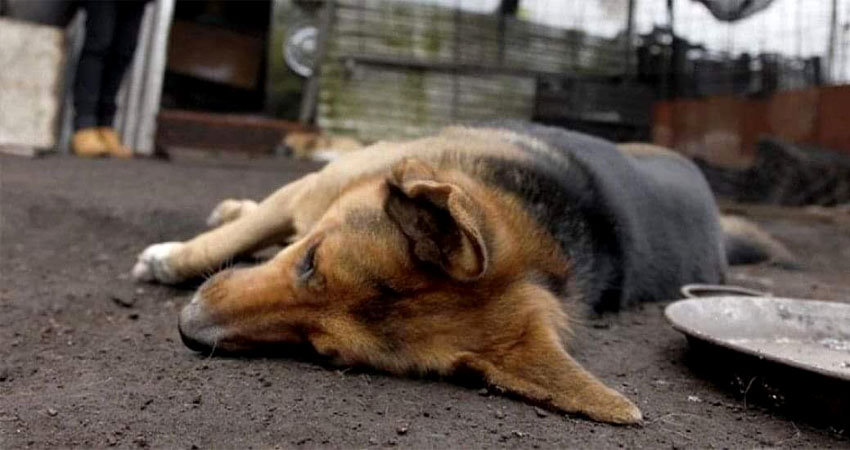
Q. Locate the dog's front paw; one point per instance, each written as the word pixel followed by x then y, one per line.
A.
pixel 155 263
pixel 614 408
pixel 230 210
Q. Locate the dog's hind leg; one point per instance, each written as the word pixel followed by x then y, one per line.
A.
pixel 746 243
pixel 230 210
pixel 273 221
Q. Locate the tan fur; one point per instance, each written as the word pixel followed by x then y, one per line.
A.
pixel 643 149
pixel 743 229
pixel 417 267
pixel 305 143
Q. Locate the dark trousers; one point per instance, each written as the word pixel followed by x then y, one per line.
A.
pixel 112 29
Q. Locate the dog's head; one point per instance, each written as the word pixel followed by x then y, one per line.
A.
pixel 301 143
pixel 421 271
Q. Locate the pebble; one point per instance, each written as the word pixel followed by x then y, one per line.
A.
pixel 402 430
pixel 52 412
pixel 124 302
pixel 540 412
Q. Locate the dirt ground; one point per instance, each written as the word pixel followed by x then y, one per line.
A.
pixel 88 358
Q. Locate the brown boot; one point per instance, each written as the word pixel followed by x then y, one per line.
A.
pixel 113 143
pixel 87 143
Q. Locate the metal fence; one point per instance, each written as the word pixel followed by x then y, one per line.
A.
pixel 392 68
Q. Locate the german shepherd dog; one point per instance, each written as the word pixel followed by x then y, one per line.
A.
pixel 463 251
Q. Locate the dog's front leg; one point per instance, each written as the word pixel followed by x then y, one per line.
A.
pixel 230 210
pixel 273 221
pixel 289 212
pixel 559 382
pixel 536 367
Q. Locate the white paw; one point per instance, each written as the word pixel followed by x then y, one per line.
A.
pixel 229 210
pixel 153 263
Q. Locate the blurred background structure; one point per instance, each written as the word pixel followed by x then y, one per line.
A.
pixel 699 76
pixel 706 77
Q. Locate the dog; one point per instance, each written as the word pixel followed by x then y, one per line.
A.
pixel 466 251
pixel 311 145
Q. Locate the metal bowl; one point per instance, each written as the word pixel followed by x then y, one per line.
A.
pixel 806 334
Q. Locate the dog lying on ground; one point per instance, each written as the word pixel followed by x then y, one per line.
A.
pixel 318 147
pixel 463 251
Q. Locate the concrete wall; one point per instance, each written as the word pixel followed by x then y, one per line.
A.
pixel 32 58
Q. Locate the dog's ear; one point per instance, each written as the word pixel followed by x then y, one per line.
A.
pixel 535 365
pixel 441 221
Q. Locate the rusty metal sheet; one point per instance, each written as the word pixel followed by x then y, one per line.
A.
pixel 724 130
pixel 833 130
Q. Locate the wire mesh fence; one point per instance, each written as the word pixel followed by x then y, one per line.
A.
pixel 392 68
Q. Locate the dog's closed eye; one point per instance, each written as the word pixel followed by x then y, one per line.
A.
pixel 306 268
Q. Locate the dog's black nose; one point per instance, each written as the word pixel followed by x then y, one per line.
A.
pixel 191 342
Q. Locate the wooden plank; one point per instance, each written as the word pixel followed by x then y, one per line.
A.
pixel 224 132
pixel 396 68
pixel 461 67
pixel 233 120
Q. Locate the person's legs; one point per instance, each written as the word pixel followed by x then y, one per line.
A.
pixel 128 18
pixel 100 25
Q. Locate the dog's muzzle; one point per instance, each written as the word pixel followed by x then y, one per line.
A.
pixel 196 331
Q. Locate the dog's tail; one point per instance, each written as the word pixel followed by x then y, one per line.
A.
pixel 746 243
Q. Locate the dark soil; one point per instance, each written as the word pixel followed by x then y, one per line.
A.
pixel 91 359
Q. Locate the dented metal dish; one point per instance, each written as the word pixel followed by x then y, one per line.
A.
pixel 807 334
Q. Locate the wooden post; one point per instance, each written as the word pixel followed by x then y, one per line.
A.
pixel 507 8
pixel 832 73
pixel 667 55
pixel 628 49
pixel 458 25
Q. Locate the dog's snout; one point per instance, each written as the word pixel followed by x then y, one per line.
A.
pixel 190 341
pixel 235 310
pixel 195 330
